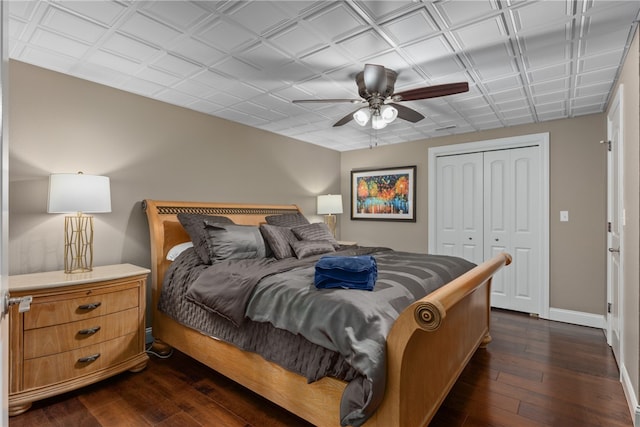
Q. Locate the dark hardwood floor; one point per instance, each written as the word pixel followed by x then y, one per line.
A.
pixel 534 373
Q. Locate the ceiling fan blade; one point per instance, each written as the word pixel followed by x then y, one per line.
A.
pixel 431 91
pixel 346 119
pixel 375 78
pixel 406 113
pixel 308 101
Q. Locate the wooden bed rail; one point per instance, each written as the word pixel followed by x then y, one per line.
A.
pixel 431 311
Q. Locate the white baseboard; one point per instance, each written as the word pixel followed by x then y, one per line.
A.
pixel 578 318
pixel 629 393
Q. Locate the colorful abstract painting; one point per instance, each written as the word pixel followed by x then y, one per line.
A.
pixel 384 194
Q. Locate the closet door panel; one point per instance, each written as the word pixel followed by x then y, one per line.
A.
pixel 523 286
pixel 497 197
pixel 446 209
pixel 512 191
pixel 471 220
pixel 500 289
pixel 526 233
pixel 497 207
pixel 459 206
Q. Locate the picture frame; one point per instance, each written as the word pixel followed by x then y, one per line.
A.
pixel 384 194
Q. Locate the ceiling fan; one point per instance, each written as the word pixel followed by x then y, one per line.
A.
pixel 375 87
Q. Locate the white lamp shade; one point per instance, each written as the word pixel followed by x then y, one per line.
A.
pixel 77 192
pixel 377 122
pixel 388 113
pixel 329 204
pixel 362 116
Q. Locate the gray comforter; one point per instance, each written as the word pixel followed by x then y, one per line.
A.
pixel 352 323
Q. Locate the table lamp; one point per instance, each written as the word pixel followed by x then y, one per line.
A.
pixel 329 205
pixel 79 194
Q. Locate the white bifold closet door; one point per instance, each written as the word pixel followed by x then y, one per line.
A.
pixel 488 202
pixel 459 206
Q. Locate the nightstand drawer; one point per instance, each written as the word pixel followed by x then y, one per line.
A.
pixel 48 370
pixel 68 336
pixel 79 307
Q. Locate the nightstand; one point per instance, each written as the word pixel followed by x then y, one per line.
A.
pixel 79 329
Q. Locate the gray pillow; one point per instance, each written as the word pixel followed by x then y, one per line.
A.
pixel 230 241
pixel 287 220
pixel 194 225
pixel 279 240
pixel 306 248
pixel 315 231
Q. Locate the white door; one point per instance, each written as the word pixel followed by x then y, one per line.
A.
pixel 459 206
pixel 4 208
pixel 512 224
pixel 615 218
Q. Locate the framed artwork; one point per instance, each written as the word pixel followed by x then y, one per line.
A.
pixel 384 194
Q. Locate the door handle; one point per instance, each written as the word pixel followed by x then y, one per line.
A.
pixel 24 303
pixel 612 250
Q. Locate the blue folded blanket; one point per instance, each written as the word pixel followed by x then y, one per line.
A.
pixel 347 272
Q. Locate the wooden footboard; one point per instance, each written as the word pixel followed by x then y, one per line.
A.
pixel 428 346
pixel 431 343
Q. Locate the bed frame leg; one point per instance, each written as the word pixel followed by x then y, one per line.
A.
pixel 485 341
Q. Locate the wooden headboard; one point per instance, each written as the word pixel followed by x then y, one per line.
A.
pixel 166 231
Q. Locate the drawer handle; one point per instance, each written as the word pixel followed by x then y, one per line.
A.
pixel 90 306
pixel 89 331
pixel 91 358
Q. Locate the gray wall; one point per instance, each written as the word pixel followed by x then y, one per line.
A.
pixel 149 149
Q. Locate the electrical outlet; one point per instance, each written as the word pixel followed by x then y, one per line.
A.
pixel 564 216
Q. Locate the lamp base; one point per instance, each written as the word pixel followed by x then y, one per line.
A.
pixel 78 243
pixel 331 220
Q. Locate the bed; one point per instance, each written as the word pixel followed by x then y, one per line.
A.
pixel 426 348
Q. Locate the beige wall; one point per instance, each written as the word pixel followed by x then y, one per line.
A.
pixel 577 163
pixel 154 150
pixel 149 149
pixel 630 251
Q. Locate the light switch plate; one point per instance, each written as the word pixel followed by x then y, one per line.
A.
pixel 564 216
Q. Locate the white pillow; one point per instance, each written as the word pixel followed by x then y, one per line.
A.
pixel 177 250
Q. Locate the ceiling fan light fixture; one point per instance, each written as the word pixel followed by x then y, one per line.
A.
pixel 388 113
pixel 378 122
pixel 376 86
pixel 362 116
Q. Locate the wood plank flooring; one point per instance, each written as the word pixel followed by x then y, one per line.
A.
pixel 535 373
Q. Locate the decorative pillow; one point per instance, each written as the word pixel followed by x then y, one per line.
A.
pixel 287 220
pixel 194 225
pixel 177 250
pixel 279 240
pixel 306 248
pixel 230 241
pixel 315 231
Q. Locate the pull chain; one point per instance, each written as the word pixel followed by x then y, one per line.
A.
pixel 372 142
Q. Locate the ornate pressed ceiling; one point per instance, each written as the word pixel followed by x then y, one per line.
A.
pixel 246 61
